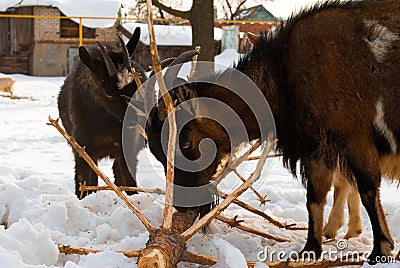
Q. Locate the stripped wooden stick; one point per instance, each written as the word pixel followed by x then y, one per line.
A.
pixel 235 223
pixel 103 176
pixel 237 161
pixel 199 258
pixel 262 214
pixel 258 157
pixel 169 188
pixel 194 64
pixel 81 185
pixel 84 188
pixel 138 82
pixel 66 249
pixel 259 196
pixel 224 204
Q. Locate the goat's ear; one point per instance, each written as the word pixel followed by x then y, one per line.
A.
pixel 180 94
pixel 132 43
pixel 252 37
pixel 183 91
pixel 85 57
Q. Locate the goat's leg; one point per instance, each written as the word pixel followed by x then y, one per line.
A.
pixel 340 195
pixel 125 165
pixel 355 226
pixel 319 181
pixel 364 163
pixel 12 91
pixel 123 176
pixel 368 186
pixel 83 173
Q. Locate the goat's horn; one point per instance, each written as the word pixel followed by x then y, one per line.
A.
pixel 107 60
pixel 133 42
pixel 172 73
pixel 125 54
pixel 184 57
pixel 164 63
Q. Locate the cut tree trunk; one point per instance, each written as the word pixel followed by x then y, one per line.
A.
pixel 166 248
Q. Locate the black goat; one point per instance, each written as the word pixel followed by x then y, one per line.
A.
pixel 92 104
pixel 331 76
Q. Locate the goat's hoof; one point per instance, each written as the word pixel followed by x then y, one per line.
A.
pixel 382 254
pixel 353 234
pixel 377 257
pixel 131 192
pixel 329 233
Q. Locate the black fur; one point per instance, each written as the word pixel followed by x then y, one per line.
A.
pixel 92 108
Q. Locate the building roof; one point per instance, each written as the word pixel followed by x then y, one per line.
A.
pixel 256 13
pixel 168 35
pixel 86 8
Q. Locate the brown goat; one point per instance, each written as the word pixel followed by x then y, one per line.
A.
pixel 343 192
pixel 7 85
pixel 331 76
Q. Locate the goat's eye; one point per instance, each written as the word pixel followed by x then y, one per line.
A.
pixel 186 145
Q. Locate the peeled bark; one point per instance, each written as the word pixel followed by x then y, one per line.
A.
pixel 166 248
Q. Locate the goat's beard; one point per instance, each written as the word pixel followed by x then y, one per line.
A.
pixel 221 167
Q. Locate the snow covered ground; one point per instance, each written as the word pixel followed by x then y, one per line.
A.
pixel 38 208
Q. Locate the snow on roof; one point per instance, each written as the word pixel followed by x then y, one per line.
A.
pixel 168 35
pixel 86 8
pixel 285 8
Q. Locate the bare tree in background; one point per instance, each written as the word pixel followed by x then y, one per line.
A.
pixel 232 8
pixel 139 10
pixel 201 17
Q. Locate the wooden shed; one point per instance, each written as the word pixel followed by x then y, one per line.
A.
pixel 43 46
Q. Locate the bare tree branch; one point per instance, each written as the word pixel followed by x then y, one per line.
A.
pixel 175 12
pixel 230 9
pixel 237 224
pixel 81 151
pixel 169 188
pixel 229 199
pixel 238 9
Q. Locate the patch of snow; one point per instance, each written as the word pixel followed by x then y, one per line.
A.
pixel 228 255
pixel 228 57
pixel 260 265
pixel 29 242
